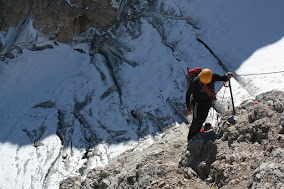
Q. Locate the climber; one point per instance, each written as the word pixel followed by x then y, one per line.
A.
pixel 202 90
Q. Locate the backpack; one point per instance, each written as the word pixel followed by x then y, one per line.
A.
pixel 192 74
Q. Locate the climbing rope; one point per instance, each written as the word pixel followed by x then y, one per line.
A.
pixel 260 73
pixel 224 84
pixel 224 91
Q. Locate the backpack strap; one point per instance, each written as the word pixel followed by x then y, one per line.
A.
pixel 209 91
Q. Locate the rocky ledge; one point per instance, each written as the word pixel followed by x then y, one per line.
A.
pixel 245 150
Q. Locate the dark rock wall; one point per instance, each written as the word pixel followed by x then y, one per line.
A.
pixel 57 16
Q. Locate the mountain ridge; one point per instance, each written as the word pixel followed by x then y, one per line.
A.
pixel 67 108
pixel 244 151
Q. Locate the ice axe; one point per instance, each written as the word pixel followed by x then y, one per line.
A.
pixel 232 97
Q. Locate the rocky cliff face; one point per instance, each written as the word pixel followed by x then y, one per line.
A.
pixel 61 18
pixel 244 151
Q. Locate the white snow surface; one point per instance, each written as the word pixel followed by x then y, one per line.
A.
pixel 246 35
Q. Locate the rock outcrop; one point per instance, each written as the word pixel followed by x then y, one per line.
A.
pixel 154 167
pixel 250 153
pixel 59 19
pixel 244 151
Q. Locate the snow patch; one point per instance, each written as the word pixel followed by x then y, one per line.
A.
pixel 261 66
pixel 115 3
pixel 72 5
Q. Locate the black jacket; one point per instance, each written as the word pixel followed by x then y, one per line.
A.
pixel 199 95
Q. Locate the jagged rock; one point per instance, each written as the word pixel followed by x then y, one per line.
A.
pixel 74 182
pixel 260 111
pixel 59 19
pixel 281 129
pixel 278 106
pixel 188 172
pixel 249 154
pixel 41 47
pixel 154 167
pixel 252 139
pixel 281 121
pixel 201 152
pixel 270 174
pixel 251 147
pixel 53 35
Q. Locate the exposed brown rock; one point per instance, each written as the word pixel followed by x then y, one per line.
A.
pixel 59 16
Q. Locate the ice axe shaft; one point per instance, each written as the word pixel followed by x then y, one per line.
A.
pixel 232 97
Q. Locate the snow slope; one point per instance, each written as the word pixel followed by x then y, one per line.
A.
pixel 246 36
pixel 63 112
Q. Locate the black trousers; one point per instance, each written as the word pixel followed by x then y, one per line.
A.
pixel 200 112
